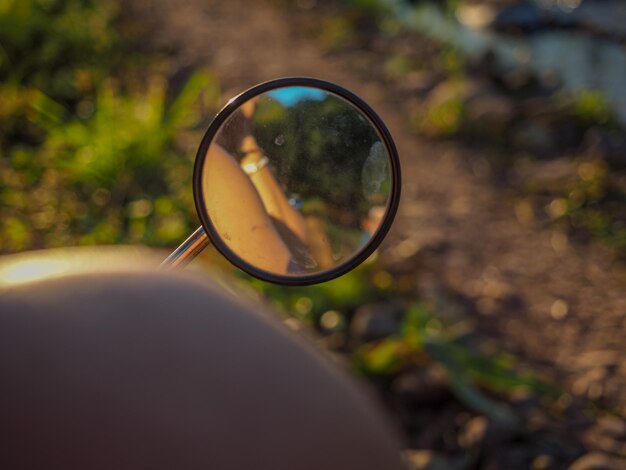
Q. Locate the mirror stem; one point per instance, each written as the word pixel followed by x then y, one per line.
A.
pixel 187 250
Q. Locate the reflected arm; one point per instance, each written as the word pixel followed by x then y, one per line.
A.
pixel 272 195
pixel 238 214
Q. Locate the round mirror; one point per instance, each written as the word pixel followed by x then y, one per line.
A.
pixel 296 181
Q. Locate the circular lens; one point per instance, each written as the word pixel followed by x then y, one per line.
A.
pixel 296 181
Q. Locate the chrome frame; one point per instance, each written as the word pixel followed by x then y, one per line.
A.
pixel 187 250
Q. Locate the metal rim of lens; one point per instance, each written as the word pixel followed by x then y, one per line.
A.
pixel 363 253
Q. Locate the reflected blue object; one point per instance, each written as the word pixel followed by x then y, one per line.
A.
pixel 291 96
pixel 295 201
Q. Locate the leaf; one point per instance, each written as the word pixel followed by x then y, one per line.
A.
pixel 48 113
pixel 186 110
pixel 382 358
pixel 464 388
pixel 496 373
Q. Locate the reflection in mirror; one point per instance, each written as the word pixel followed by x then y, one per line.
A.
pixel 296 181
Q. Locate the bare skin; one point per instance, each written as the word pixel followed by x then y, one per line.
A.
pixel 271 193
pixel 163 370
pixel 312 233
pixel 273 196
pixel 237 211
pixel 318 241
pixel 252 213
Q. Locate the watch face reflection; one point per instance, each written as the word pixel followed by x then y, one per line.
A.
pixel 296 181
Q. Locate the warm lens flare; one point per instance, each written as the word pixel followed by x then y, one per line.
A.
pixel 38 265
pixel 32 270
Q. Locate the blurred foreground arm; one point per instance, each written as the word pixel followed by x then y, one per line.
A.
pixel 158 370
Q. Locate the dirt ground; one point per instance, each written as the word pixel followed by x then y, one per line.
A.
pixel 559 304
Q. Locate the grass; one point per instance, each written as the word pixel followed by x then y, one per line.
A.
pixel 94 149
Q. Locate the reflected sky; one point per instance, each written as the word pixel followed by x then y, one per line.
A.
pixel 290 96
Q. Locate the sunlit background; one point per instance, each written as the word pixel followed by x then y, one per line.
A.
pixel 102 109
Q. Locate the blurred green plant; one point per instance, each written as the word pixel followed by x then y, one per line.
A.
pixel 92 148
pixel 398 65
pixel 472 376
pixel 452 62
pixel 592 200
pixel 367 7
pixel 59 47
pixel 592 107
pixel 343 21
pixel 445 113
pixel 424 340
pixel 335 33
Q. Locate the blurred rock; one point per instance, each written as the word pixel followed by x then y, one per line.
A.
pixel 523 455
pixel 536 420
pixel 482 433
pixel 608 435
pixel 489 112
pixel 610 146
pixel 598 461
pixel 614 426
pixel 473 432
pixel 600 358
pixel 535 137
pixel 421 388
pixel 543 462
pixel 540 173
pixel 524 17
pixel 430 460
pixel 377 321
pixel 418 82
pixel 590 383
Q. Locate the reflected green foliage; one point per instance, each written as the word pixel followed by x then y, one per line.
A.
pixel 91 148
pixel 592 106
pixel 323 150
